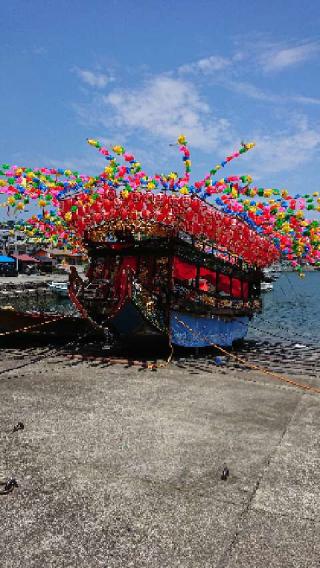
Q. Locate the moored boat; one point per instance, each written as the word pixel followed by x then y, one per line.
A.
pixel 59 288
pixel 15 323
pixel 167 285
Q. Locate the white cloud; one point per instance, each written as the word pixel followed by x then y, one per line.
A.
pixel 271 58
pixel 249 90
pixel 93 78
pixel 286 151
pixel 306 100
pixel 253 92
pixel 165 107
pixel 278 59
pixel 207 65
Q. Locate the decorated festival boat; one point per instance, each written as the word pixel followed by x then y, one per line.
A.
pixel 147 279
pixel 167 258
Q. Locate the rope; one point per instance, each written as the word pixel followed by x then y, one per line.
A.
pixel 26 328
pixel 163 365
pixel 287 329
pixel 274 375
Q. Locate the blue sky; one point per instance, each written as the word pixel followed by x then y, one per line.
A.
pixel 139 73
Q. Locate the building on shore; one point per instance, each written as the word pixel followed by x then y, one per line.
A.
pixel 66 257
pixel 26 263
pixel 8 266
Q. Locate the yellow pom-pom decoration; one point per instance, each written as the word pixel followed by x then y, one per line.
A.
pixel 118 149
pixel 182 139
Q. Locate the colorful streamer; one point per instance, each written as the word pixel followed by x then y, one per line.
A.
pixel 258 224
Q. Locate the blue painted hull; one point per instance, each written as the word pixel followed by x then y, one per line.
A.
pixel 186 330
pixel 193 331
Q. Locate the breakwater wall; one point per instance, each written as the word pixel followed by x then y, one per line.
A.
pixel 29 289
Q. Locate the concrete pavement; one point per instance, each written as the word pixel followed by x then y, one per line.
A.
pixel 120 466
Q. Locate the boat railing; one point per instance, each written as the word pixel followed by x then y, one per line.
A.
pixel 215 300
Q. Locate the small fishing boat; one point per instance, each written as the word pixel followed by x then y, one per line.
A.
pixel 266 286
pixel 15 323
pixel 59 288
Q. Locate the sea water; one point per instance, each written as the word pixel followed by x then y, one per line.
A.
pixel 291 311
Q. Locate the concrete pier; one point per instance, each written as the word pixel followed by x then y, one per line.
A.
pixel 121 466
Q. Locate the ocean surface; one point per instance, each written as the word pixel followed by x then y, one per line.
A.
pixel 291 311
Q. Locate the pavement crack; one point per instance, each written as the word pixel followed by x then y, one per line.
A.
pixel 225 557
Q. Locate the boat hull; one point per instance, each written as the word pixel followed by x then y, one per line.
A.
pixel 17 324
pixel 129 322
pixel 185 330
pixel 188 330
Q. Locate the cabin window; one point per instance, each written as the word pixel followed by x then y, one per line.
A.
pixel 207 280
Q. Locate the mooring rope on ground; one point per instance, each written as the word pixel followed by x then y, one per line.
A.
pixel 27 328
pixel 153 365
pixel 263 370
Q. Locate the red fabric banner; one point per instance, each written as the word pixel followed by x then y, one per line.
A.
pixel 245 287
pixel 224 283
pixel 208 274
pixel 183 270
pixel 236 288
